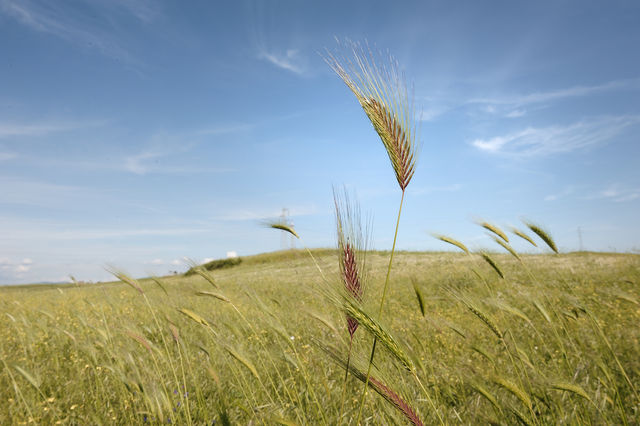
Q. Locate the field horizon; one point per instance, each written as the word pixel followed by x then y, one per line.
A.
pixel 293 252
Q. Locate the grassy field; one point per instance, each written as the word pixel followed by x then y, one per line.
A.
pixel 264 341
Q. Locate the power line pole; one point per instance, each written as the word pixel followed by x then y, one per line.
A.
pixel 580 238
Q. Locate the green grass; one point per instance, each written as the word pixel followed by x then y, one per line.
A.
pixel 567 349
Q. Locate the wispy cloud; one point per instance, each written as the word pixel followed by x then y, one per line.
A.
pixel 559 195
pixel 534 141
pixel 43 231
pixel 515 106
pixel 616 192
pixel 144 10
pixel 554 95
pixel 44 128
pixel 160 161
pixel 290 60
pixel 37 193
pixel 432 112
pixel 224 129
pixel 4 156
pixel 87 27
pixel 516 113
pixel 138 163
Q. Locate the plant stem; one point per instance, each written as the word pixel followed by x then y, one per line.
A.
pixel 384 294
pixel 346 375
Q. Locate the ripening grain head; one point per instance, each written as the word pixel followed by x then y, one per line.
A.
pixel 381 90
pixel 352 246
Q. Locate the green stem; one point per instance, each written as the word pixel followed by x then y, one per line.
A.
pixel 384 294
pixel 346 375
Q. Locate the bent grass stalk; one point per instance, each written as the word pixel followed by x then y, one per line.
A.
pixel 352 246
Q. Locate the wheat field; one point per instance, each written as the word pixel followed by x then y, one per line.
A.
pixel 263 341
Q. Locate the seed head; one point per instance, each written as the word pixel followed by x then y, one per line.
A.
pixel 382 93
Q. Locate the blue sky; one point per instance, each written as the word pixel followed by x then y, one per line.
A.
pixel 137 133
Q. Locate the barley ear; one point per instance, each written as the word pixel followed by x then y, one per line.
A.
pixel 418 296
pixel 451 241
pixel 543 235
pixel 507 247
pixel 200 270
pixel 382 93
pixel 125 278
pixel 480 314
pixel 490 227
pixel 492 263
pixel 193 316
pixel 377 330
pixel 515 390
pixel 488 396
pixel 524 236
pixel 218 296
pixel 377 385
pixel 570 387
pixel 282 226
pixel 243 360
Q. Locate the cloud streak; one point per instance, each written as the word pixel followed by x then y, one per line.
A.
pixel 554 95
pixel 4 156
pixel 43 128
pixel 149 161
pixel 47 233
pixel 45 17
pixel 518 105
pixel 617 193
pixel 559 195
pixel 37 193
pixel 540 141
pixel 290 60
